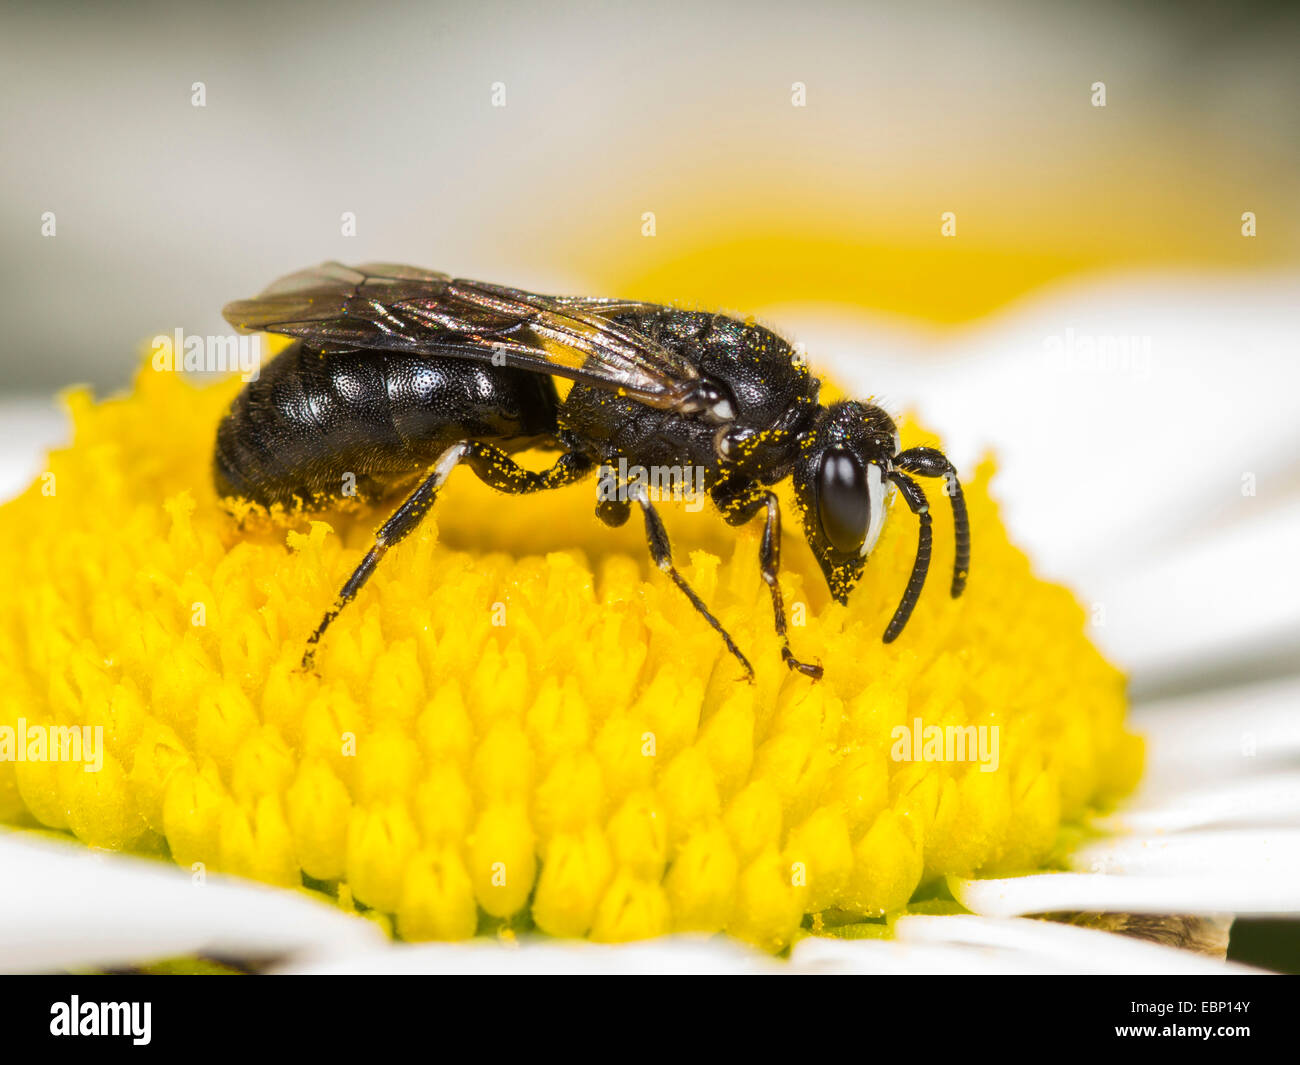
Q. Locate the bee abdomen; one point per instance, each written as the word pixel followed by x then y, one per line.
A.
pixel 315 427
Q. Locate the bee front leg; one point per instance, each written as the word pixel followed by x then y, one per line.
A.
pixel 738 512
pixel 404 519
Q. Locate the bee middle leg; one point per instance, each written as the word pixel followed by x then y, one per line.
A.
pixel 738 512
pixel 615 512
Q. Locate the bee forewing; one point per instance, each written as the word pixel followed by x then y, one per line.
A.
pixel 405 308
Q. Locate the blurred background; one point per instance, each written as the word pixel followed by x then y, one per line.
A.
pixel 166 210
pixel 1064 234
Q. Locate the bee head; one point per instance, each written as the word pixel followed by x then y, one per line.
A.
pixel 842 488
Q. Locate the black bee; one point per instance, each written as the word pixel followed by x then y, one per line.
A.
pixel 401 373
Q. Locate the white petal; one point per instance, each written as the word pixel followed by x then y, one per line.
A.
pixel 1208 894
pixel 923 945
pixel 1060 947
pixel 1244 853
pixel 1230 593
pixel 66 906
pixel 679 957
pixel 826 955
pixel 1221 734
pixel 676 956
pixel 1266 799
pixel 28 428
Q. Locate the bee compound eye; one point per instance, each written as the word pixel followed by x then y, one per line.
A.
pixel 843 500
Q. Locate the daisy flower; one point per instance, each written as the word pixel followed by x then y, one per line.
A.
pixel 521 735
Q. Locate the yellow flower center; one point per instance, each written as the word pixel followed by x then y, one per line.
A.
pixel 520 721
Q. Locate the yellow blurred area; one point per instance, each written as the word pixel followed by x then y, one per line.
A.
pixel 895 258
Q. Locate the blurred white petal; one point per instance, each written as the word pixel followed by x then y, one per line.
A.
pixel 66 906
pixel 671 956
pixel 1245 731
pixel 1270 853
pixel 1202 893
pixel 1226 758
pixel 1220 596
pixel 28 429
pixel 1060 947
pixel 1268 800
pixel 921 945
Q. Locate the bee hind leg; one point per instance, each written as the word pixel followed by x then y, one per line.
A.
pixel 403 520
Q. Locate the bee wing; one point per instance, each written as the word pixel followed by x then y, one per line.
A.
pixel 404 308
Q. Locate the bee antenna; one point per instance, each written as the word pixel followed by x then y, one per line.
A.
pixel 919 506
pixel 929 462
